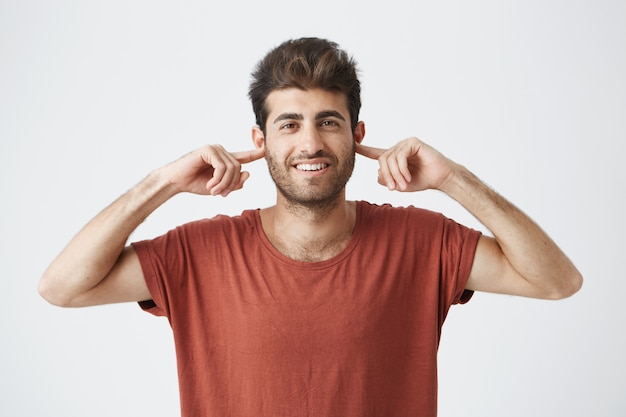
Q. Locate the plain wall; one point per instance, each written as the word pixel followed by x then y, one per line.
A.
pixel 530 95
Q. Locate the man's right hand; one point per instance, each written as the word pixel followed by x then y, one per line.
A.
pixel 210 170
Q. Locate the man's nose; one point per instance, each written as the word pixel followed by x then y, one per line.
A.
pixel 310 139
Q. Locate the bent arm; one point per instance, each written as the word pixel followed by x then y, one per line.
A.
pixel 521 259
pixel 95 267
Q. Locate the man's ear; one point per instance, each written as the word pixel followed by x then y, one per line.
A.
pixel 359 132
pixel 258 138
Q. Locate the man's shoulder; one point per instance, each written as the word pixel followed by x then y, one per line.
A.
pixel 246 216
pixel 398 220
pixel 245 220
pixel 386 209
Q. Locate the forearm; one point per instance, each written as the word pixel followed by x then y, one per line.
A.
pixel 525 246
pixel 94 250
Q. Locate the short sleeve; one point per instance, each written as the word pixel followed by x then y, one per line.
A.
pixel 153 305
pixel 164 263
pixel 457 257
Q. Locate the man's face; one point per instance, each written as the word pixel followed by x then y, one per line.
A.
pixel 309 145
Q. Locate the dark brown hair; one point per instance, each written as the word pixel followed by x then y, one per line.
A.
pixel 305 63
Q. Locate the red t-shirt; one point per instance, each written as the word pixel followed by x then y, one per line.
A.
pixel 259 334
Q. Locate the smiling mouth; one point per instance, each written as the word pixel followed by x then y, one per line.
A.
pixel 311 167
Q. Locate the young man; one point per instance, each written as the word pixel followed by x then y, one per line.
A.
pixel 316 306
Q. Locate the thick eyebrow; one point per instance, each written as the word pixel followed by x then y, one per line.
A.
pixel 298 116
pixel 289 116
pixel 329 113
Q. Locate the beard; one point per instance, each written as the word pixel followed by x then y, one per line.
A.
pixel 312 193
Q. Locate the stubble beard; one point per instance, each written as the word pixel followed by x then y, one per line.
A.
pixel 312 196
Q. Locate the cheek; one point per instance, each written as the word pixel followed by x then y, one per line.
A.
pixel 270 153
pixel 275 150
pixel 347 147
pixel 272 159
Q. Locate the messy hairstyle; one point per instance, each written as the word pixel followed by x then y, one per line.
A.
pixel 305 63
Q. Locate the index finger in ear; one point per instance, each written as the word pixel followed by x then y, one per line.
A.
pixel 249 156
pixel 369 151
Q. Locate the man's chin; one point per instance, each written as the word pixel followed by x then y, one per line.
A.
pixel 311 201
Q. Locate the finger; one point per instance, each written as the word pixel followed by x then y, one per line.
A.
pixel 243 176
pixel 403 170
pixel 226 171
pixel 369 151
pixel 245 157
pixel 242 179
pixel 381 180
pixel 219 168
pixel 385 175
pixel 395 171
pixel 231 177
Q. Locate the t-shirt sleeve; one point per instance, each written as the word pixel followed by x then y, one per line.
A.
pixel 153 283
pixel 459 247
pixel 164 261
pixel 175 263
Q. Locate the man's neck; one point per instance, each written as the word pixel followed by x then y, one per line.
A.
pixel 309 234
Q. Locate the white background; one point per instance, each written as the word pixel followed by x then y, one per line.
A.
pixel 530 95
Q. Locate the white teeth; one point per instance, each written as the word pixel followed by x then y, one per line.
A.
pixel 311 167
